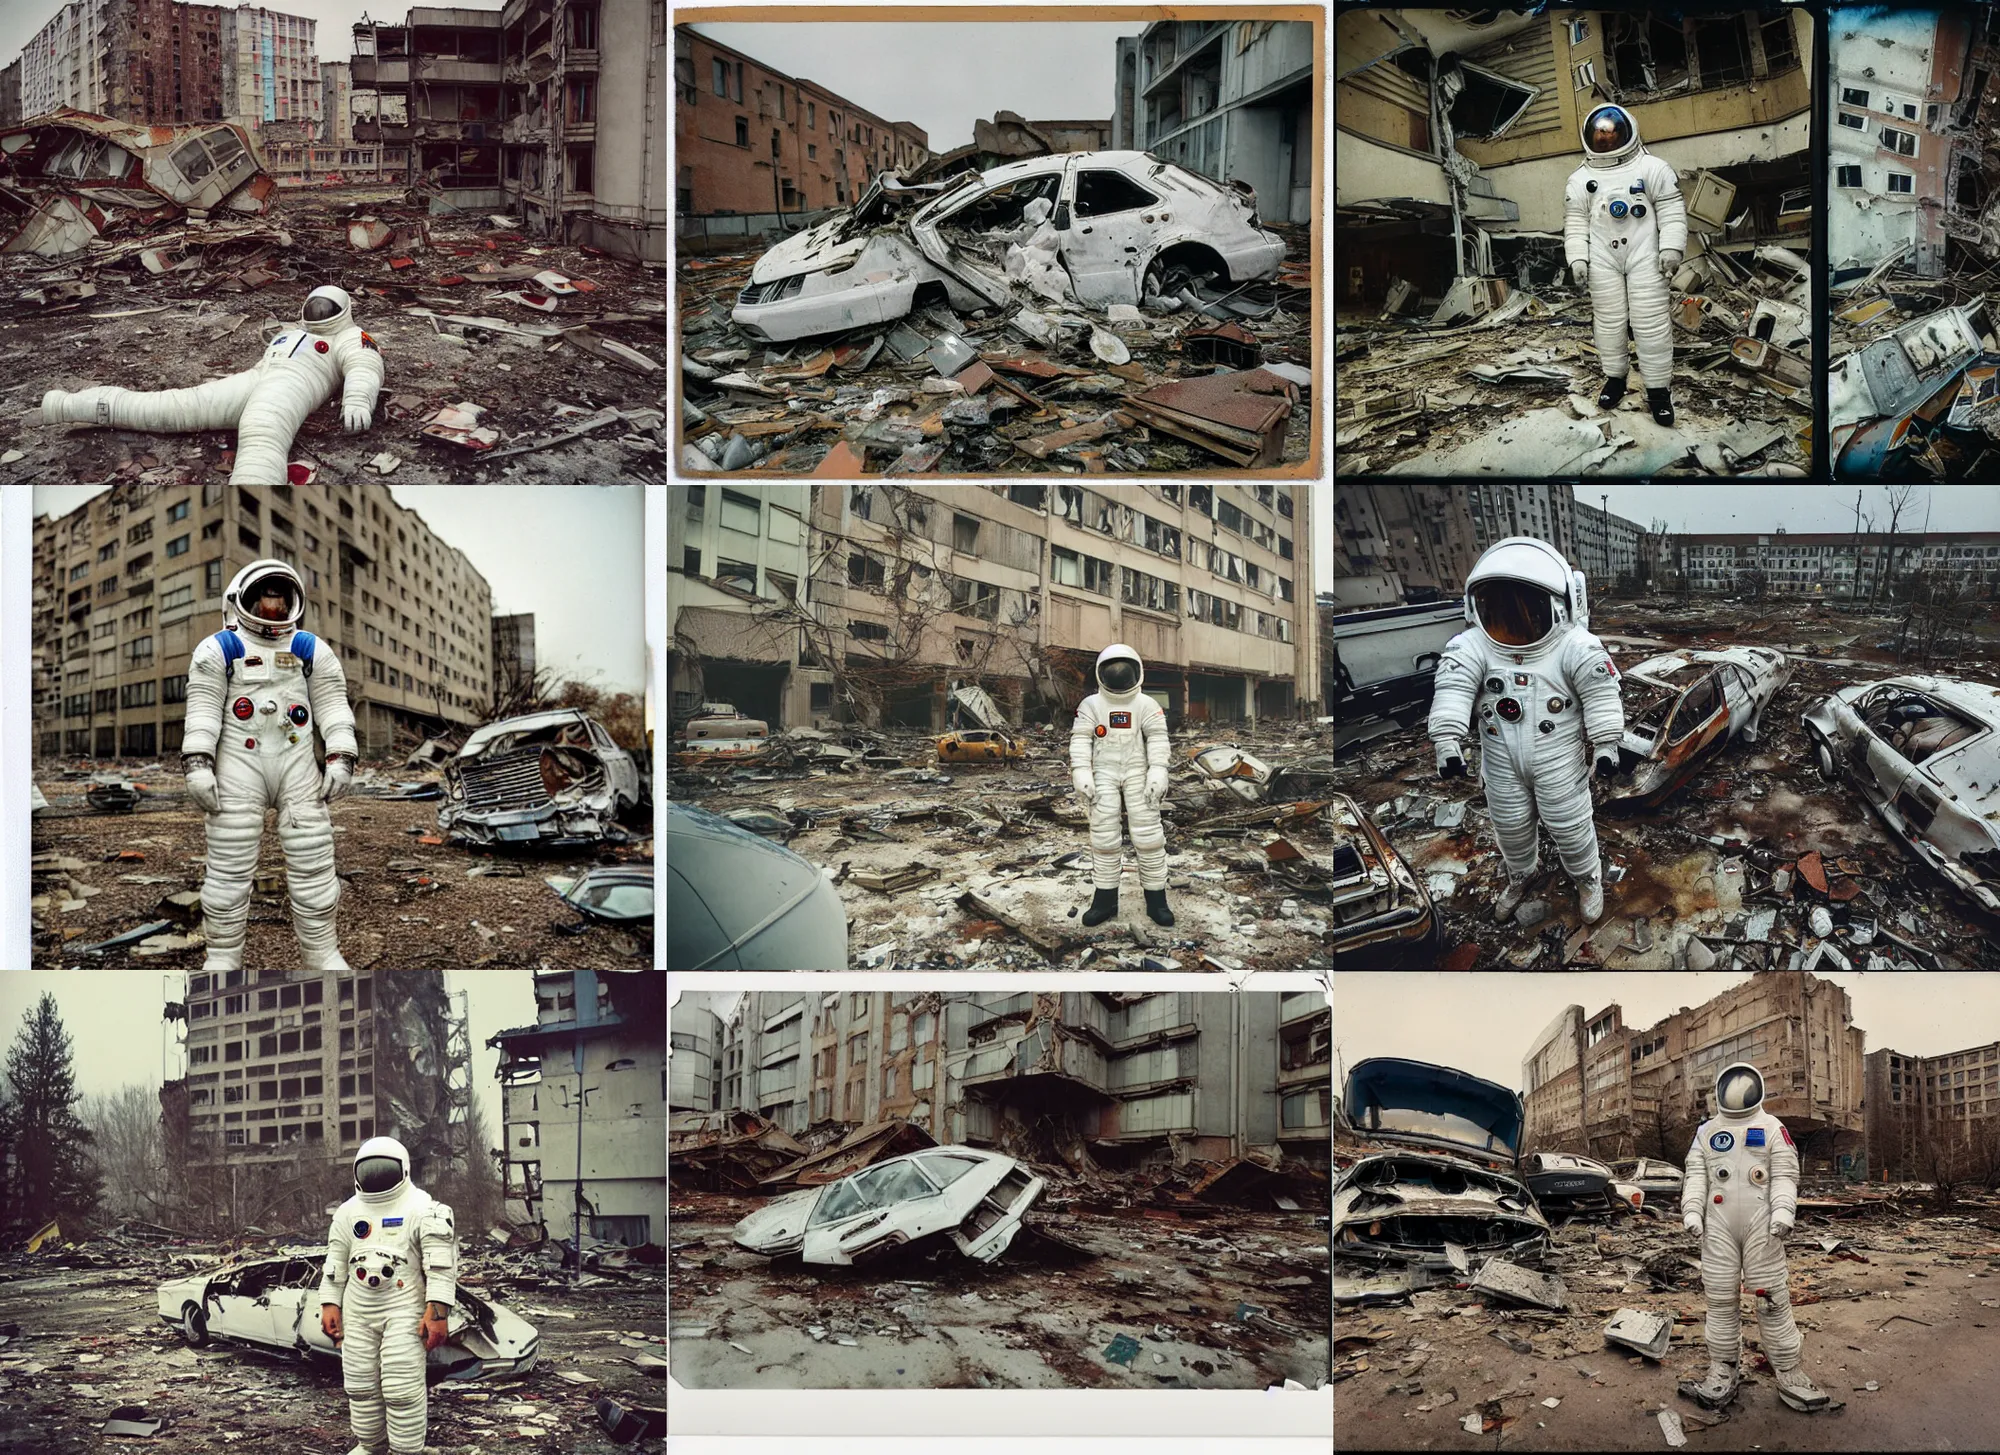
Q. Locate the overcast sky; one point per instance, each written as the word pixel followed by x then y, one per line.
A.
pixel 1485 1024
pixel 943 76
pixel 21 19
pixel 574 555
pixel 1764 508
pixel 113 1019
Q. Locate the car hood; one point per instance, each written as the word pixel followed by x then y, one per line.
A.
pixel 813 251
pixel 777 1226
pixel 1390 1099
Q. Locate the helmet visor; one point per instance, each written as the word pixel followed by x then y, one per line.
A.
pixel 1120 674
pixel 377 1174
pixel 320 309
pixel 1740 1089
pixel 276 588
pixel 1607 130
pixel 1514 613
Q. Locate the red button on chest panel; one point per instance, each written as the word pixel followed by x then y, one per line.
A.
pixel 242 708
pixel 319 347
pixel 1121 719
pixel 1099 730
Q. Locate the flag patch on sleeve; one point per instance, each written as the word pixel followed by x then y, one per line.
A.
pixel 1786 1134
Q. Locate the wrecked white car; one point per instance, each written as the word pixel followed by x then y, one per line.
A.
pixel 271 1301
pixel 1566 1184
pixel 1444 1192
pixel 974 1199
pixel 550 777
pixel 1660 1181
pixel 1923 752
pixel 1123 224
pixel 1682 708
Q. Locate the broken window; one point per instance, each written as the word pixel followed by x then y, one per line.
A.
pixel 1099 193
pixel 864 568
pixel 1853 122
pixel 1487 104
pixel 965 534
pixel 1721 49
pixel 1097 575
pixel 1847 176
pixel 1854 96
pixel 1644 52
pixel 743 131
pixel 1895 139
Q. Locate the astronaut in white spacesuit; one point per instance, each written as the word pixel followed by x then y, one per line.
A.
pixel 266 403
pixel 1739 1196
pixel 1118 747
pixel 1544 690
pixel 386 1294
pixel 1624 234
pixel 256 690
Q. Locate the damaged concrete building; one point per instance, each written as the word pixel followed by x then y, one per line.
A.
pixel 1457 130
pixel 289 1071
pixel 1121 1079
pixel 1916 1103
pixel 1596 1086
pixel 1427 538
pixel 584 1107
pixel 136 576
pixel 1016 588
pixel 694 1035
pixel 1007 138
pixel 1837 564
pixel 432 84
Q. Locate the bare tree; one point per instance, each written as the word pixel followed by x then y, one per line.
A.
pixel 1898 499
pixel 130 1150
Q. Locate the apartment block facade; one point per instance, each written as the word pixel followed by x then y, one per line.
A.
pixel 751 139
pixel 10 92
pixel 136 60
pixel 1135 1077
pixel 430 88
pixel 1593 1085
pixel 1016 588
pixel 1839 563
pixel 584 1099
pixel 694 1034
pixel 134 578
pixel 1229 99
pixel 584 131
pixel 289 1071
pixel 68 61
pixel 1914 1101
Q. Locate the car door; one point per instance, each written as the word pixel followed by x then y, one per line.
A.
pixel 854 1210
pixel 1880 769
pixel 1112 223
pixel 1698 719
pixel 617 763
pixel 1735 689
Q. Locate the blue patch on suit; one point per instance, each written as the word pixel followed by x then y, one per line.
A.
pixel 1121 719
pixel 1754 1137
pixel 392 1222
pixel 361 1229
pixel 302 648
pixel 1722 1141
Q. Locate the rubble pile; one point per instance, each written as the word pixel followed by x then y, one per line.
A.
pixel 507 359
pixel 1753 863
pixel 1200 377
pixel 987 866
pixel 1621 1308
pixel 1500 381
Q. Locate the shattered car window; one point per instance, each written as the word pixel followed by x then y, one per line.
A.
pixel 616 901
pixel 842 1200
pixel 1099 193
pixel 1434 1124
pixel 947 1170
pixel 1696 708
pixel 192 159
pixel 1003 206
pixel 892 1183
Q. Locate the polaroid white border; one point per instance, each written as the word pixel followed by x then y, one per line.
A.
pixel 17 655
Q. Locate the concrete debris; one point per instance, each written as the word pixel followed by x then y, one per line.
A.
pixel 1647 1333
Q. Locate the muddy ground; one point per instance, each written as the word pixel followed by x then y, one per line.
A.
pixel 1917 1318
pixel 1680 868
pixel 424 913
pixel 1236 1300
pixel 90 1340
pixel 212 323
pixel 971 827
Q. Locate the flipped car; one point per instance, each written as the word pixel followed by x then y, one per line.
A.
pixel 1438 1189
pixel 1683 708
pixel 270 1301
pixel 1126 224
pixel 1382 914
pixel 1566 1184
pixel 971 1198
pixel 1660 1181
pixel 1924 754
pixel 548 777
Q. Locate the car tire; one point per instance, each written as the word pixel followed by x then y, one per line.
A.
pixel 1823 759
pixel 194 1325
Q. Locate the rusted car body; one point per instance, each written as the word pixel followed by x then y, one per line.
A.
pixel 1382 914
pixel 1566 1184
pixel 549 776
pixel 978 745
pixel 1924 753
pixel 1682 708
pixel 69 177
pixel 1438 1189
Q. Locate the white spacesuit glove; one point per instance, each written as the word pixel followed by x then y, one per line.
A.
pixel 201 783
pixel 1670 262
pixel 1781 1224
pixel 1692 1222
pixel 1156 787
pixel 355 419
pixel 1579 273
pixel 339 773
pixel 1085 785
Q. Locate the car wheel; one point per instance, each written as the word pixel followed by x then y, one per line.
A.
pixel 1823 759
pixel 194 1325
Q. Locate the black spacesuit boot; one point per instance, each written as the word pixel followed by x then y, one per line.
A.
pixel 1611 393
pixel 1103 905
pixel 1661 402
pixel 1156 907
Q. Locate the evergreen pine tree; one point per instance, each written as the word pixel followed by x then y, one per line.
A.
pixel 53 1172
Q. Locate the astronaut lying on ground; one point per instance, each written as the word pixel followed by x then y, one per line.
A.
pixel 265 404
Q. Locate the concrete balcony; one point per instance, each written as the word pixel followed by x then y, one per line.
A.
pixel 478 73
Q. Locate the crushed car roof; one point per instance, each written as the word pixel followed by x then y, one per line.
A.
pixel 1442 1107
